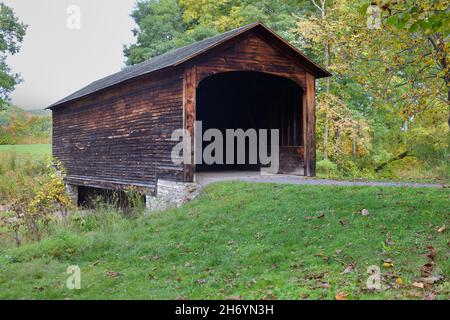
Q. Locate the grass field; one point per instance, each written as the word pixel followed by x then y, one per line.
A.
pixel 242 240
pixel 19 166
pixel 35 149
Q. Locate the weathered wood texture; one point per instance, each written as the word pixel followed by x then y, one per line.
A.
pixel 310 125
pixel 249 52
pixel 122 137
pixel 189 100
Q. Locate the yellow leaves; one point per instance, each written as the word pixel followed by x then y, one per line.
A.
pixel 399 282
pixel 34 209
pixel 341 296
pixel 388 264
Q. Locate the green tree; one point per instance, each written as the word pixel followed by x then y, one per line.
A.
pixel 12 32
pixel 163 25
pixel 159 28
pixel 427 22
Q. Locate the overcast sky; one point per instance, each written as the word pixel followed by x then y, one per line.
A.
pixel 56 60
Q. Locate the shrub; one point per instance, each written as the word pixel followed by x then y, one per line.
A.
pixel 34 206
pixel 327 169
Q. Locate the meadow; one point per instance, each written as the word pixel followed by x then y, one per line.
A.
pixel 19 166
pixel 35 150
pixel 237 241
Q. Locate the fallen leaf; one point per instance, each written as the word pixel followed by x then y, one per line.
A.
pixel 342 222
pixel 365 212
pixel 418 285
pixel 112 274
pixel 341 296
pixel 388 241
pixel 427 269
pixel 414 294
pixel 324 285
pixel 388 263
pixel 431 296
pixel 351 267
pixel 304 295
pixel 431 253
pixel 233 298
pixel 431 279
pixel 399 282
pixel 251 282
pixel 441 229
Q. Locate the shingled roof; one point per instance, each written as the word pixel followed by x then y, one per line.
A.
pixel 176 57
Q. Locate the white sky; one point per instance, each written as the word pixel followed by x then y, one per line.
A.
pixel 55 61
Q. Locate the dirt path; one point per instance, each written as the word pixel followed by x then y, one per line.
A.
pixel 211 177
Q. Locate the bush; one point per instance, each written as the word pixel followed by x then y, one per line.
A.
pixel 327 169
pixel 33 205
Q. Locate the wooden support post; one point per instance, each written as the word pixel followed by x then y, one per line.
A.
pixel 310 98
pixel 189 103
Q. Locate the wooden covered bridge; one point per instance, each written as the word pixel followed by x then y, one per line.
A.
pixel 116 132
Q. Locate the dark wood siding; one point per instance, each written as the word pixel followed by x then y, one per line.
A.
pixel 122 136
pixel 250 52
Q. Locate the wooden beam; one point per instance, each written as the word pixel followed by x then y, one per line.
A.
pixel 189 112
pixel 310 125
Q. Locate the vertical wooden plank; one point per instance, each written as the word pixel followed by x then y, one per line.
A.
pixel 189 111
pixel 304 130
pixel 310 125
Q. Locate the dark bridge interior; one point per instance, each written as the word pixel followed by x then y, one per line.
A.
pixel 245 100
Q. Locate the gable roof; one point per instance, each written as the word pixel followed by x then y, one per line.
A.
pixel 178 56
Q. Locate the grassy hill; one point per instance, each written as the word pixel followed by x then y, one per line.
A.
pixel 241 240
pixel 18 126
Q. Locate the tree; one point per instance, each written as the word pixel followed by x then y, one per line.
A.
pixel 167 24
pixel 388 74
pixel 427 22
pixel 159 25
pixel 324 33
pixel 12 32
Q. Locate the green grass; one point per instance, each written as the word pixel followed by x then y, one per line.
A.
pixel 35 149
pixel 20 165
pixel 243 240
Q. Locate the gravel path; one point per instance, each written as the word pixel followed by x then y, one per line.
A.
pixel 208 178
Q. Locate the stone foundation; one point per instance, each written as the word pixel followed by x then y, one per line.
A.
pixel 171 195
pixel 72 190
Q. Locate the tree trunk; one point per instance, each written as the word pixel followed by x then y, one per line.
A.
pixel 327 90
pixel 399 157
pixel 448 103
